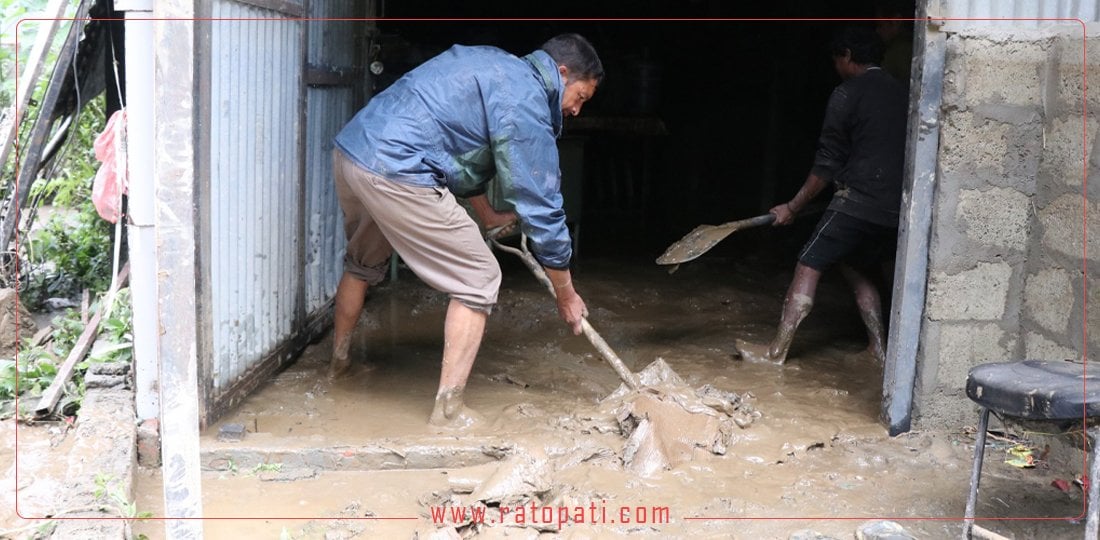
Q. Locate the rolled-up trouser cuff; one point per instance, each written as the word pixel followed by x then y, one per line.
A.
pixel 483 308
pixel 373 275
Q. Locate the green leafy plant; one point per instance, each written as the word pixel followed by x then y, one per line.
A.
pixel 73 249
pixel 116 331
pixel 109 493
pixel 70 254
pixel 267 467
pixel 70 182
pixel 37 369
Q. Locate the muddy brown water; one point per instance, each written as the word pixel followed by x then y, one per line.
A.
pixel 818 451
pixel 818 458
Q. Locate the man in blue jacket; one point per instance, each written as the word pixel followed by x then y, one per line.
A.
pixel 861 151
pixel 443 130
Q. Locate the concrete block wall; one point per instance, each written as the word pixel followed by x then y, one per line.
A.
pixel 1006 279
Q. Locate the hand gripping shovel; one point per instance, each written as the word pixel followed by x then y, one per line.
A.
pixel 704 237
pixel 589 332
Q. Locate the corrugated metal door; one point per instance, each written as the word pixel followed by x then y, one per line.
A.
pixel 335 76
pixel 270 238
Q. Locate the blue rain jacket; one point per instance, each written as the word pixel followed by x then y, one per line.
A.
pixel 462 118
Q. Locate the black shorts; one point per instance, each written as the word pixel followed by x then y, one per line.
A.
pixel 853 241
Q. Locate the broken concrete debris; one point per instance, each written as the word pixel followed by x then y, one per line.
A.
pixel 231 432
pixel 669 422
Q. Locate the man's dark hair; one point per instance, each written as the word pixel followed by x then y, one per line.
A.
pixel 577 55
pixel 865 45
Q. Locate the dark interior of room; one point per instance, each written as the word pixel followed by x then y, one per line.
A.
pixel 697 121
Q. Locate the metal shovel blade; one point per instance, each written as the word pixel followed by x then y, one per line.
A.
pixel 704 237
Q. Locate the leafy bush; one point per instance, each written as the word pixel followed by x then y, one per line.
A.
pixel 39 365
pixel 70 254
pixel 70 181
pixel 73 250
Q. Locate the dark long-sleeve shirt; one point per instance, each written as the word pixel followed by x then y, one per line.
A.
pixel 862 146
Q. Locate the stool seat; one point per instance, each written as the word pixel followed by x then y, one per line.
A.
pixel 1036 389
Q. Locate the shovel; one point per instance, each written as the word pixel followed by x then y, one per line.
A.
pixel 704 237
pixel 663 418
pixel 593 336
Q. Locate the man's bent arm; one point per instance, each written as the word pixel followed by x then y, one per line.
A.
pixel 785 213
pixel 810 188
pixel 489 217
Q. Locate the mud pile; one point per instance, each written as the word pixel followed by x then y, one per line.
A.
pixel 667 422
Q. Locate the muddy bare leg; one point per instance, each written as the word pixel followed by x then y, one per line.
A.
pixel 870 309
pixel 796 306
pixel 350 294
pixel 462 334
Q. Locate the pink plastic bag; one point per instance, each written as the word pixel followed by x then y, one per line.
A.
pixel 110 179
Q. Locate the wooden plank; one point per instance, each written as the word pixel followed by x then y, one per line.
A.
pixel 42 126
pixel 83 344
pixel 27 81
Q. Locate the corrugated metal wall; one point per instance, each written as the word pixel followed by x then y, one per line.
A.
pixel 328 108
pixel 1085 10
pixel 254 185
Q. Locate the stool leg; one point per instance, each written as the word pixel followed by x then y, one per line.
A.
pixel 1094 487
pixel 976 472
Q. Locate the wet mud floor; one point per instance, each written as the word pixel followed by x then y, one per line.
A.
pixel 816 459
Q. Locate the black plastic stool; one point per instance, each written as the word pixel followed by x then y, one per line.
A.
pixel 1039 391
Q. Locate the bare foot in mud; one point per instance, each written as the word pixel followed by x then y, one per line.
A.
pixel 450 412
pixel 462 419
pixel 339 368
pixel 756 352
pixel 342 368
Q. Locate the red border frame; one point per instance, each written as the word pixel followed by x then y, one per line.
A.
pixel 1084 258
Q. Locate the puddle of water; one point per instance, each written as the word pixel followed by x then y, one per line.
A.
pixel 337 503
pixel 40 475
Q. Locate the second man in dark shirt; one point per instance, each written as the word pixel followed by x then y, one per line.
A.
pixel 861 151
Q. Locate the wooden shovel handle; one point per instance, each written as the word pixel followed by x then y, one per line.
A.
pixel 766 219
pixel 589 332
